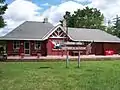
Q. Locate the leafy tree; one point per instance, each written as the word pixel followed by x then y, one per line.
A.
pixel 86 18
pixel 110 30
pixel 3 7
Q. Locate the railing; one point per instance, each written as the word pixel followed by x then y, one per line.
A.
pixel 14 52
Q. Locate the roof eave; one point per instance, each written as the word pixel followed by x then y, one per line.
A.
pixel 20 39
pixel 97 41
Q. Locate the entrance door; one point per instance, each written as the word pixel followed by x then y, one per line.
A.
pixel 27 48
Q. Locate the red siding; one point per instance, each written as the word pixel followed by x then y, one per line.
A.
pixel 9 47
pixel 43 48
pixel 46 48
pixel 51 51
pixel 112 46
pixel 33 52
pixel 98 49
pixel 49 47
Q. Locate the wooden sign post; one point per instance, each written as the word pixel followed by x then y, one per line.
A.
pixel 78 59
pixel 67 58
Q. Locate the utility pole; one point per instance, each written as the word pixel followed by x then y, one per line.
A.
pixel 117 26
pixel 117 21
pixel 65 26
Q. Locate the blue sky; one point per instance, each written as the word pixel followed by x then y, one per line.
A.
pixel 51 2
pixel 40 2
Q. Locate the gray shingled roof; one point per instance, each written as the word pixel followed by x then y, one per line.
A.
pixel 96 35
pixel 29 30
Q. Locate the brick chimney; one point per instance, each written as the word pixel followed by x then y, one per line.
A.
pixel 45 20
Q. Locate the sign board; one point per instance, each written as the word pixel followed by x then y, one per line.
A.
pixel 74 48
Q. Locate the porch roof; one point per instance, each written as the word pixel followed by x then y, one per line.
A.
pixel 29 30
pixel 90 35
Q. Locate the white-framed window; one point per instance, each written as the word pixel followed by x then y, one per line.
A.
pixel 37 45
pixel 16 44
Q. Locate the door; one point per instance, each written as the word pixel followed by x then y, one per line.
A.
pixel 27 48
pixel 99 49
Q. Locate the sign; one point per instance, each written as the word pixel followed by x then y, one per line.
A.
pixel 74 48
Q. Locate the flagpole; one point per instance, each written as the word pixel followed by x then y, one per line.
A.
pixel 66 39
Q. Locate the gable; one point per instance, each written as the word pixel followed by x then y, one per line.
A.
pixel 57 32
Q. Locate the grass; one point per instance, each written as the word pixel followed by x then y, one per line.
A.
pixel 92 75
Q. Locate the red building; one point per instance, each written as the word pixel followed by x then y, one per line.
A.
pixel 32 38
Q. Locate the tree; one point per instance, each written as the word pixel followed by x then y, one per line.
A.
pixel 117 23
pixel 117 26
pixel 3 8
pixel 110 30
pixel 86 18
pixel 114 29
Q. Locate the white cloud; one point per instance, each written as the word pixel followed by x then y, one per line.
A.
pixel 20 11
pixel 108 7
pixel 55 13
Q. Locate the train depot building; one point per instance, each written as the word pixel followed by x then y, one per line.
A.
pixel 32 38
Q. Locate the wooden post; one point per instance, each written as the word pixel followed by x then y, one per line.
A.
pixel 22 55
pixel 67 58
pixel 78 59
pixel 38 55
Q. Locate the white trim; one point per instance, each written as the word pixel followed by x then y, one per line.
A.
pixel 44 37
pixel 58 31
pixel 98 41
pixel 53 30
pixel 14 44
pixel 57 37
pixel 20 39
pixel 61 34
pixel 36 43
pixel 55 34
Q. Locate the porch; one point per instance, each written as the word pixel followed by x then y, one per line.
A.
pixel 56 58
pixel 24 48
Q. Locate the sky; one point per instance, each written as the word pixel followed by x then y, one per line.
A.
pixel 20 11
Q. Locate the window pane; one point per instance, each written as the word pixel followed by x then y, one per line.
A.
pixel 26 45
pixel 37 45
pixel 16 44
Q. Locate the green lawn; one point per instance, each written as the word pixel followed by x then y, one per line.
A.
pixel 92 75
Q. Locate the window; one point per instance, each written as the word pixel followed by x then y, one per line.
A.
pixel 16 44
pixel 37 45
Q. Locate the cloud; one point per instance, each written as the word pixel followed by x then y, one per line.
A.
pixel 55 13
pixel 18 12
pixel 108 7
